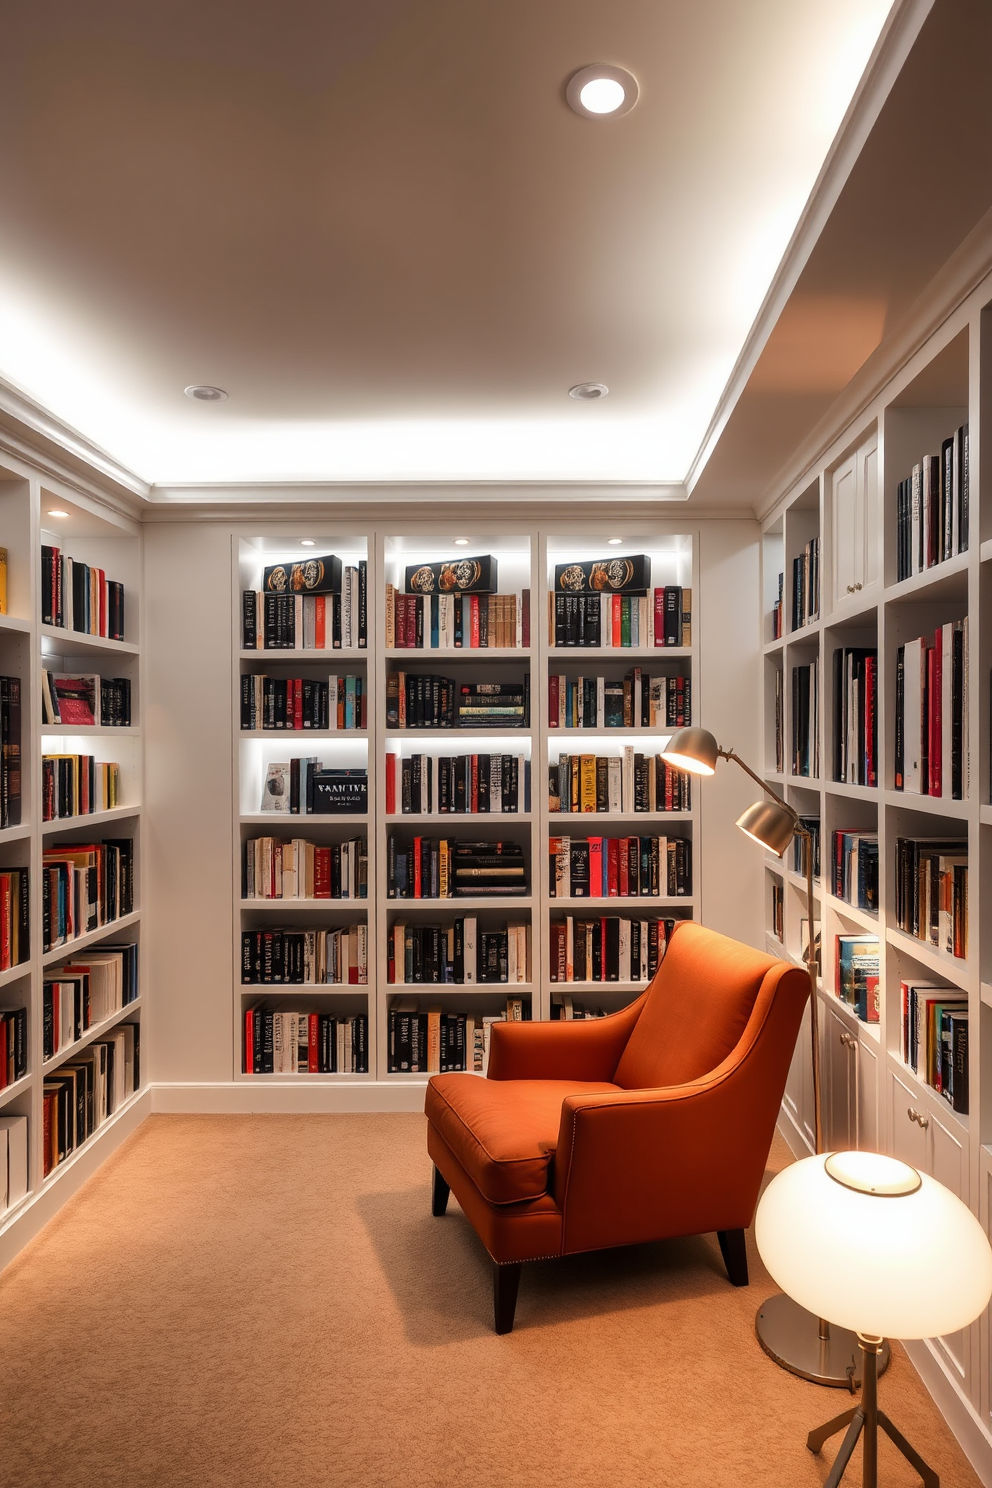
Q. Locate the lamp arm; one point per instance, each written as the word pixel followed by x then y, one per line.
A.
pixel 811 966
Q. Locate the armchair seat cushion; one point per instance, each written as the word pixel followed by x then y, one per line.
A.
pixel 503 1132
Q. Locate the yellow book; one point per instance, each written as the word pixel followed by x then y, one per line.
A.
pixel 587 783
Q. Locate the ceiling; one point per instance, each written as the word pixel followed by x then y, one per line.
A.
pixel 382 230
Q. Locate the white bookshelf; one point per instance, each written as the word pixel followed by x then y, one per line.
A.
pixel 97 534
pixel 872 1098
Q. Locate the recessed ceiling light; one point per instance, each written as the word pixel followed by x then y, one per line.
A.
pixel 54 512
pixel 461 542
pixel 588 390
pixel 596 92
pixel 614 542
pixel 204 394
pixel 307 542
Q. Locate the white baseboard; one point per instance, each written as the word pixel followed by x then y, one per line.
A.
pixel 288 1097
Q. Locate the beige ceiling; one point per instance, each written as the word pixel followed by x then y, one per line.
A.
pixel 380 228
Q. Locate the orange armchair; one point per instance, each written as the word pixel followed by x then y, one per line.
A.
pixel 648 1124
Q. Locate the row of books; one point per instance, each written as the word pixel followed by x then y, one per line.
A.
pixel 610 948
pixel 439 785
pixel 296 703
pixel 84 1092
pixel 338 957
pixel 273 868
pixel 858 973
pixel 629 782
pixel 661 617
pixel 85 699
pixel 855 715
pixel 432 1041
pixel 283 1041
pixel 806 720
pixel 77 785
pixel 932 753
pixel 432 868
pixel 307 787
pixel 15 941
pixel 855 869
pixel 812 826
pixel 934 1022
pixel 308 622
pixel 421 700
pixel 10 751
pixel 566 1008
pixel 13 1159
pixel 460 953
pixel 932 891
pixel 932 508
pixel 806 585
pixel 779 705
pixel 778 909
pixel 83 887
pixel 80 994
pixel 619 867
pixel 75 596
pixel 634 701
pixel 449 622
pixel 13 1045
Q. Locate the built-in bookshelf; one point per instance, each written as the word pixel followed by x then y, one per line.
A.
pixel 901 649
pixel 74 990
pixel 475 704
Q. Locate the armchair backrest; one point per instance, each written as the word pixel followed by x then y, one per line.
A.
pixel 694 1011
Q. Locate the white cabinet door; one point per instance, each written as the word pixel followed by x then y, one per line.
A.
pixel 839 1132
pixel 847 534
pixel 868 480
pixel 909 1140
pixel 948 1163
pixel 867 1096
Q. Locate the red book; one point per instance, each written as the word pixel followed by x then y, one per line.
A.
pixel 474 792
pixel 934 716
pixel 319 622
pixel 249 1059
pixel 5 893
pixel 353 973
pixel 322 873
pixel 680 702
pixel 362 699
pixel 552 702
pixel 473 623
pixel 612 867
pixel 596 868
pixel 297 699
pixel 101 589
pixel 659 617
pixel 313 1043
pixel 525 617
pixel 391 783
pixel 417 872
pixel 409 604
pixel 617 619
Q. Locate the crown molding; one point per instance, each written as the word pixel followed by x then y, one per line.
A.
pixel 339 493
pixel 886 62
pixel 968 267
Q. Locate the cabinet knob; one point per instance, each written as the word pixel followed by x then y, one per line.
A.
pixel 922 1121
pixel 846 1040
pixel 857 587
pixel 850 588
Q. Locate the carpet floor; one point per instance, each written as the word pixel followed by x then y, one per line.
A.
pixel 266 1301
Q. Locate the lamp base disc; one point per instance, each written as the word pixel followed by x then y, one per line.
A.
pixel 790 1335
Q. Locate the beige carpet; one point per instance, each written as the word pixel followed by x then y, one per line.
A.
pixel 266 1301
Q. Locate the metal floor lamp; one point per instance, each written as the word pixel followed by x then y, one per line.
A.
pixel 796 1339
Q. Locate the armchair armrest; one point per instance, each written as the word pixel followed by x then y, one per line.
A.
pixel 637 1165
pixel 583 1049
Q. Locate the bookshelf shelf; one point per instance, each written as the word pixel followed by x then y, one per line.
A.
pixel 76 643
pixel 458 818
pixel 645 904
pixel 309 655
pixel 862 917
pixel 854 792
pixel 9 1093
pixel 282 822
pixel 613 736
pixel 359 906
pixel 86 1147
pixel 617 653
pixel 15 625
pixel 592 817
pixel 61 730
pixel 420 655
pixel 91 819
pixel 15 834
pixel 943 580
pixel 931 805
pixel 22 969
pixel 302 735
pixel 501 902
pixel 952 968
pixel 461 989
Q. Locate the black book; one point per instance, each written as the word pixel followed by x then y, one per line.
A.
pixel 673 615
pixel 311 576
pixel 363 602
pixel 248 620
pixel 340 792
pixel 579 868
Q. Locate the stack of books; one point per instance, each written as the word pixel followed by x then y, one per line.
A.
pixel 84 886
pixel 619 867
pixel 424 701
pixel 276 956
pixel 806 585
pixel 932 891
pixel 609 948
pixel 618 784
pixel 77 785
pixel 431 1041
pixel 932 508
pixel 75 596
pixel 932 753
pixel 287 1042
pixel 461 953
pixel 303 702
pixel 83 1093
pixel 10 752
pixel 276 869
pixel 857 974
pixel 327 612
pixel 441 785
pixel 431 868
pixel 634 701
pixel 78 995
pixel 855 869
pixel 855 708
pixel 935 1038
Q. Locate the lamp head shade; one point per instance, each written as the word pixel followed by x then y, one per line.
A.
pixel 868 1243
pixel 694 750
pixel 770 824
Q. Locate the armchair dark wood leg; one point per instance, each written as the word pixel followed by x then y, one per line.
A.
pixel 506 1280
pixel 734 1251
pixel 439 1195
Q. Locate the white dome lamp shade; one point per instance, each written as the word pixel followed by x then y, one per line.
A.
pixel 869 1243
